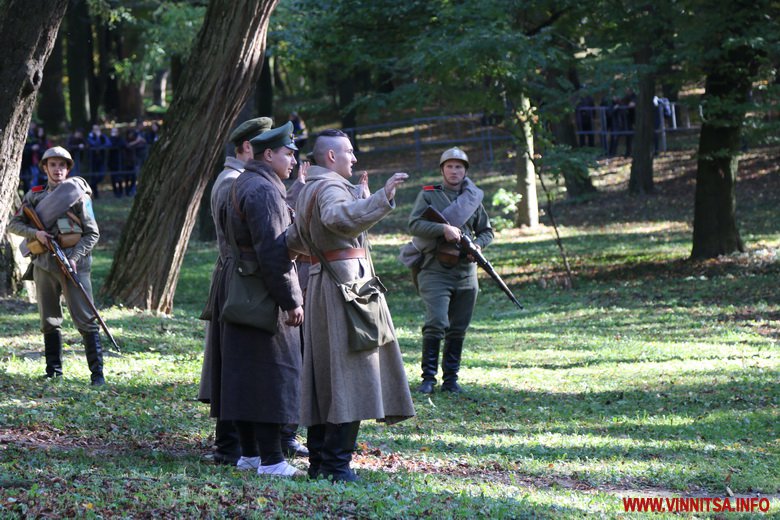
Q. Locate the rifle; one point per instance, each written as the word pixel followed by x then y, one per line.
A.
pixel 67 269
pixel 467 246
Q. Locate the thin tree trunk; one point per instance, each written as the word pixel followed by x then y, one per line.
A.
pixel 727 88
pixel 528 206
pixel 264 92
pixel 640 181
pixel 26 47
pixel 79 48
pixel 206 101
pixel 51 103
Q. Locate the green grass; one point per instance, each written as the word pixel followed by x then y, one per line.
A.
pixel 652 376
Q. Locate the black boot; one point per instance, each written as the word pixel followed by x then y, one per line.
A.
pixel 430 364
pixel 315 438
pixel 291 447
pixel 340 440
pixel 450 364
pixel 227 444
pixel 52 342
pixel 94 351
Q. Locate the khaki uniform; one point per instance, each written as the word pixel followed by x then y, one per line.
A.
pixel 50 283
pixel 448 291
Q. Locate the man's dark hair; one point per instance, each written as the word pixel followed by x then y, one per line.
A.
pixel 332 132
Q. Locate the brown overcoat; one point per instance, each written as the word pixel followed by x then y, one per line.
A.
pixel 340 386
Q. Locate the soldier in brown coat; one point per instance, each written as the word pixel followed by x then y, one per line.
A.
pixel 340 387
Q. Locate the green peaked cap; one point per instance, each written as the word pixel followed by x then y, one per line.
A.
pixel 275 138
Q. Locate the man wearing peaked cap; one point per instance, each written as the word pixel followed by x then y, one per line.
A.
pixel 275 138
pixel 249 129
pixel 256 376
pixel 226 438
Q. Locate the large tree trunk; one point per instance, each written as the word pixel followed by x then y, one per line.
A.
pixel 528 206
pixel 206 101
pixel 131 103
pixel 26 47
pixel 51 103
pixel 79 49
pixel 726 93
pixel 640 181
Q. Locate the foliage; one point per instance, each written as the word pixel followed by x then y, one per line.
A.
pixel 504 204
pixel 653 376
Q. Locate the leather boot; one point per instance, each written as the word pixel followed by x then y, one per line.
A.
pixel 340 442
pixel 315 438
pixel 291 447
pixel 430 364
pixel 52 342
pixel 94 351
pixel 450 364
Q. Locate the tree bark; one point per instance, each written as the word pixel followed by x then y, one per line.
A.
pixel 726 92
pixel 640 181
pixel 528 206
pixel 51 103
pixel 26 47
pixel 79 48
pixel 206 101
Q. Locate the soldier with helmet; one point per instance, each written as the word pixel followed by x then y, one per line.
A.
pixel 446 278
pixel 64 206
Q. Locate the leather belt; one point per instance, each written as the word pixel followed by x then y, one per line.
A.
pixel 348 253
pixel 306 259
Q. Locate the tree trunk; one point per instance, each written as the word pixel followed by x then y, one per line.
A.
pixel 528 206
pixel 264 92
pixel 26 47
pixel 640 181
pixel 79 44
pixel 131 103
pixel 206 101
pixel 51 104
pixel 726 93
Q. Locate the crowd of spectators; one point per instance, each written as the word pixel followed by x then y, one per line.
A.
pixel 118 154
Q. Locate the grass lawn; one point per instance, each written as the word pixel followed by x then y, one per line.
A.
pixel 652 376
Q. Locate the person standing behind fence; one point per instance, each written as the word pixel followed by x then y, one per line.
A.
pixel 98 142
pixel 134 157
pixel 76 145
pixel 447 280
pixel 341 387
pixel 116 161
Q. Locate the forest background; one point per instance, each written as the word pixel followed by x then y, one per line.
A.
pixel 633 237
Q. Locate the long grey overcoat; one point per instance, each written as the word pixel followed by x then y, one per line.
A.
pixel 340 386
pixel 255 376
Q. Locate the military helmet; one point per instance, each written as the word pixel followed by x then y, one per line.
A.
pixel 57 151
pixel 454 153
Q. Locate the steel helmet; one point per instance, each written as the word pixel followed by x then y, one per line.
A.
pixel 454 153
pixel 57 151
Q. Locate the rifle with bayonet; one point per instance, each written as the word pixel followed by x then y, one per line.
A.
pixel 466 245
pixel 67 269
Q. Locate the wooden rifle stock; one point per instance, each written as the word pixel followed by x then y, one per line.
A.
pixel 67 269
pixel 467 246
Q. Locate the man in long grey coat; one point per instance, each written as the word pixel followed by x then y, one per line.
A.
pixel 227 449
pixel 340 387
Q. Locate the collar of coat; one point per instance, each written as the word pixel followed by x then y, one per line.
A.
pixel 265 171
pixel 320 173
